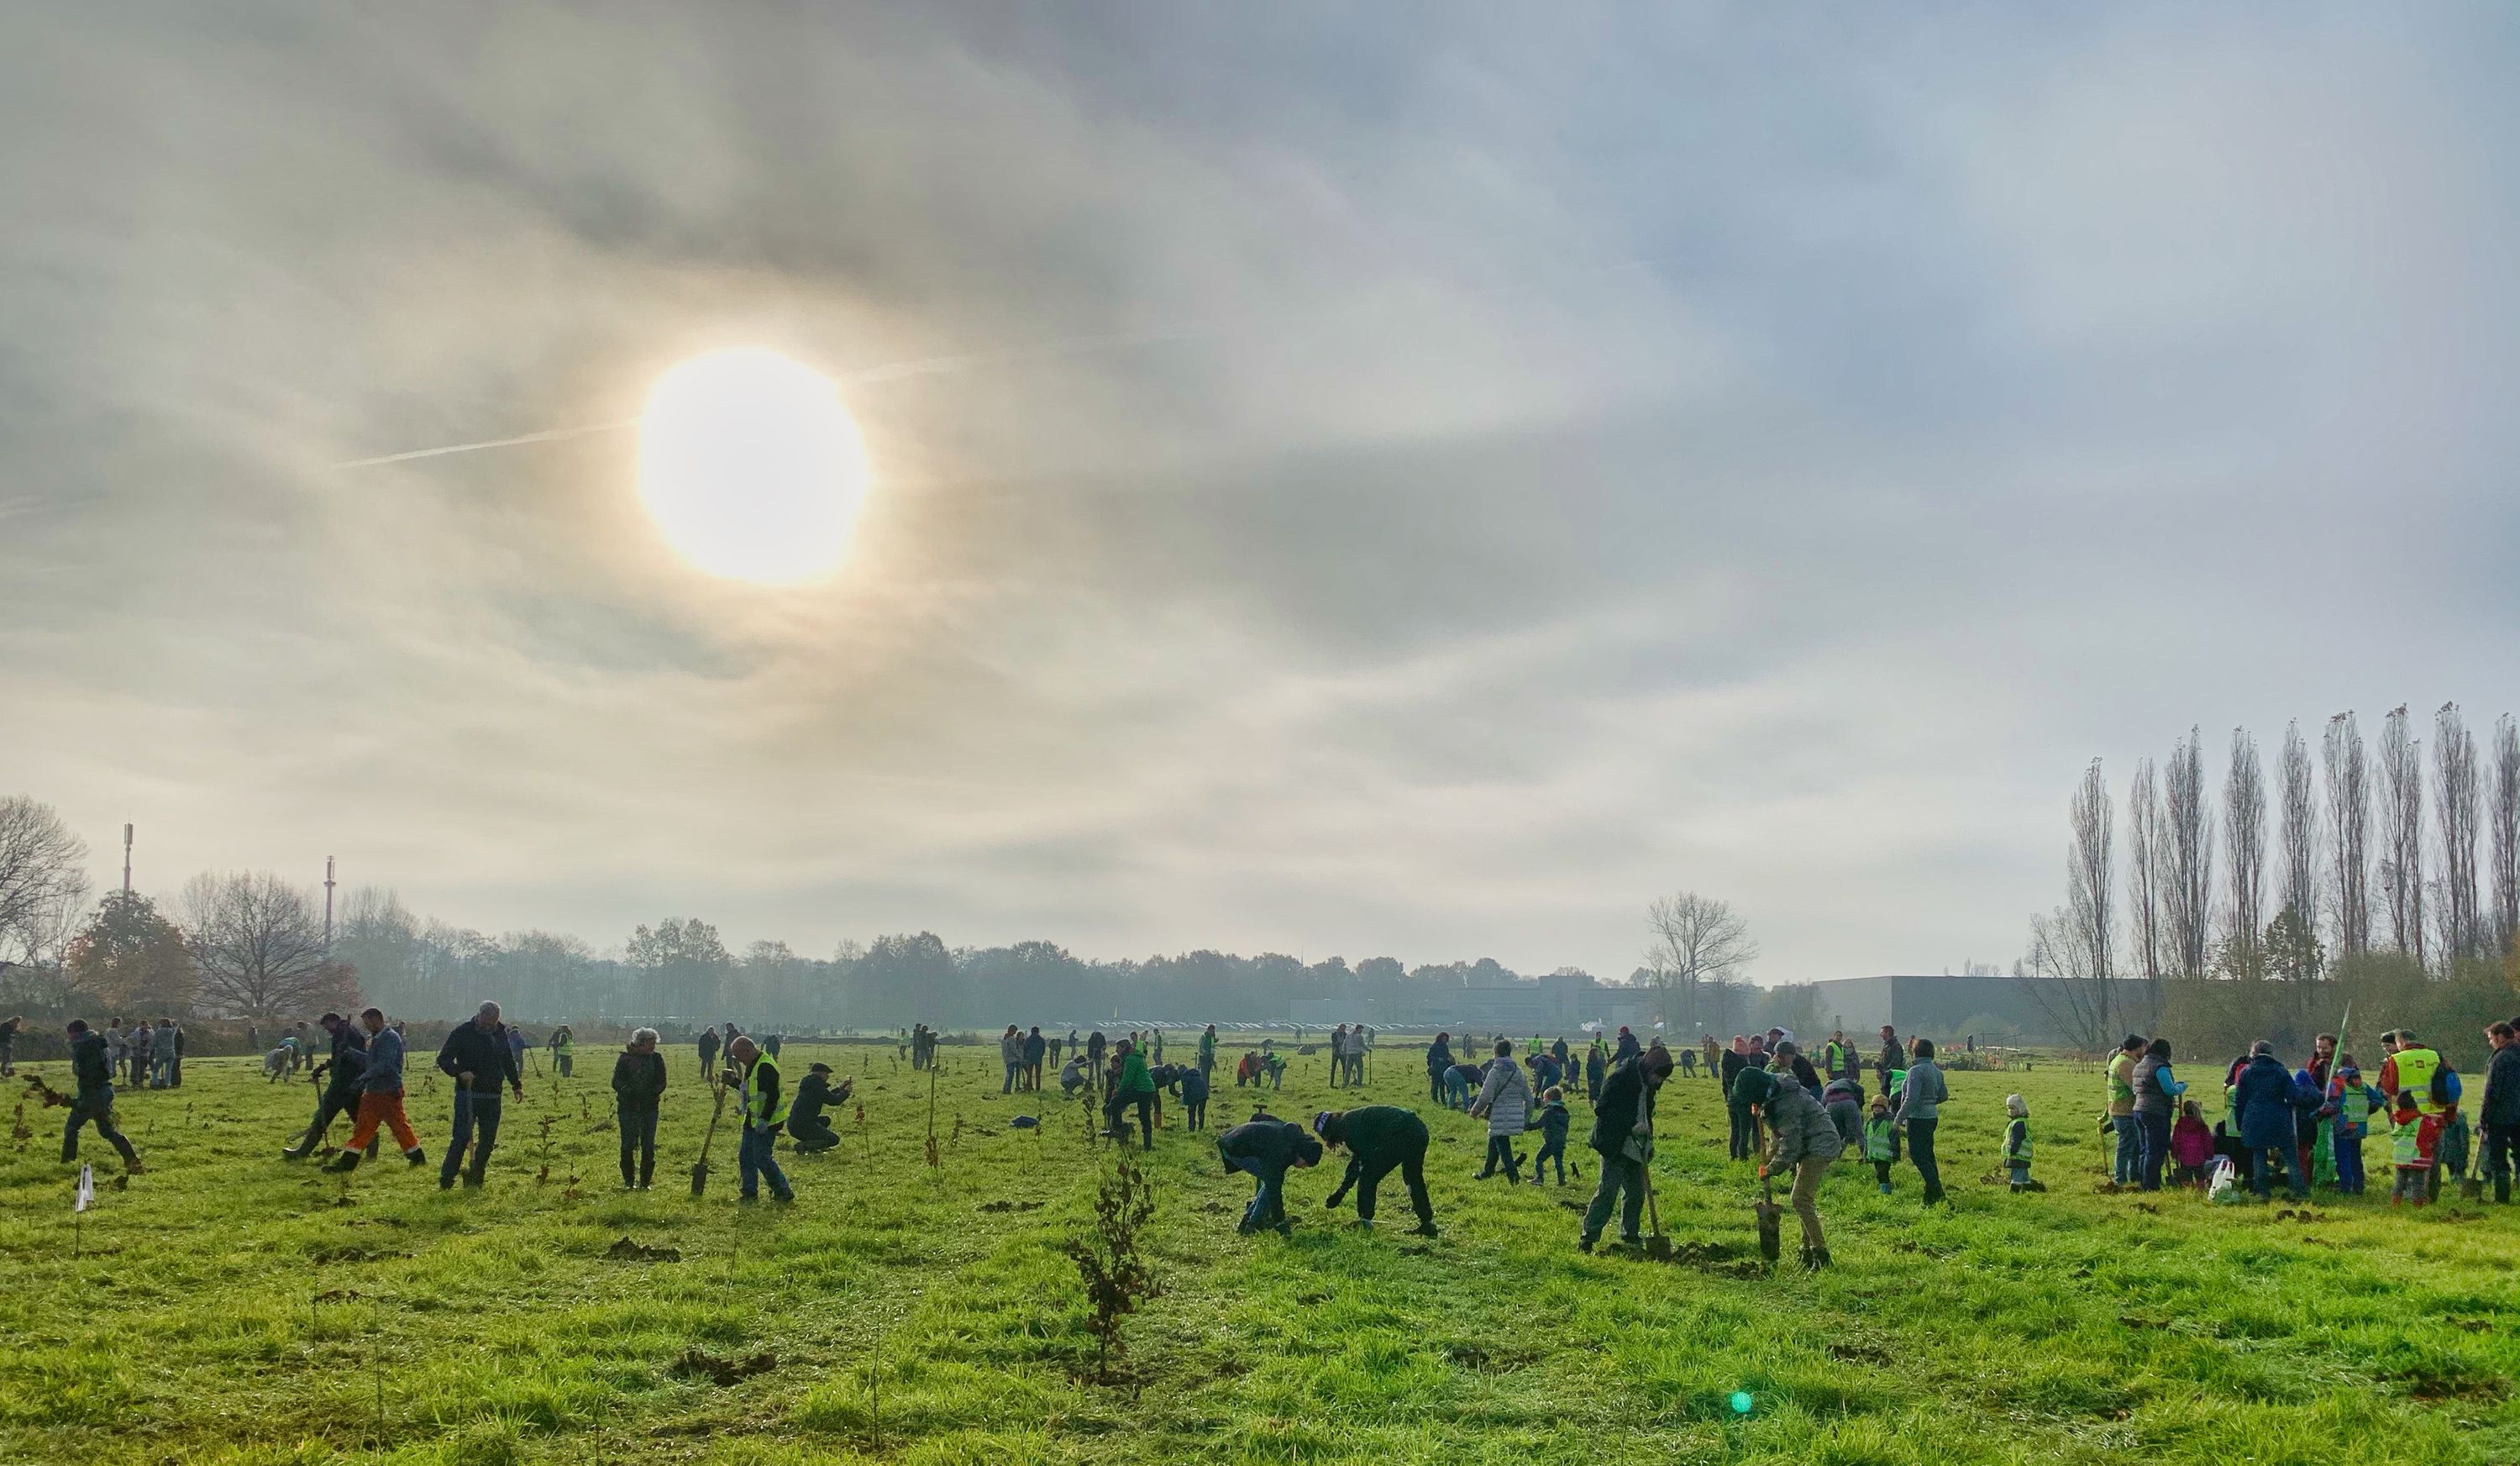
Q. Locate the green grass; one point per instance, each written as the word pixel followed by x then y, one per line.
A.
pixel 490 1327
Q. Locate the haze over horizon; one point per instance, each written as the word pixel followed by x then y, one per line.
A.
pixel 1403 483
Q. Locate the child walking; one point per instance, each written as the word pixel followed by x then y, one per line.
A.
pixel 1553 1134
pixel 2411 1145
pixel 1882 1141
pixel 2016 1141
pixel 2191 1145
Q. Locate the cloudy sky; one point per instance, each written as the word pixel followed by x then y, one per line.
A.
pixel 1404 480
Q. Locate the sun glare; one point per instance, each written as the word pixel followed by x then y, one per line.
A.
pixel 751 467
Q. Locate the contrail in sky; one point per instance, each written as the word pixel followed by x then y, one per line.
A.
pixel 925 366
pixel 965 361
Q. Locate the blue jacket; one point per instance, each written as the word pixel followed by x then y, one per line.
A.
pixel 383 1073
pixel 2266 1098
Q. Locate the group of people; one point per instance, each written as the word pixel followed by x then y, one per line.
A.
pixel 146 1055
pixel 2309 1123
pixel 1348 1048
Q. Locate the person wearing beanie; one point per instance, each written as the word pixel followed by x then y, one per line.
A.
pixel 1552 1134
pixel 2016 1141
pixel 1378 1139
pixel 1623 1137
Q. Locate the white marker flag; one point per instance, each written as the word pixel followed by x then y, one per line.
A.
pixel 86 1189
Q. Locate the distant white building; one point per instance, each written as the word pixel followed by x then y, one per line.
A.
pixel 1558 1005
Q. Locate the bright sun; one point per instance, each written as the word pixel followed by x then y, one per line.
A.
pixel 751 467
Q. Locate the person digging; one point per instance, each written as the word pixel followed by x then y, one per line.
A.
pixel 1378 1138
pixel 1623 1137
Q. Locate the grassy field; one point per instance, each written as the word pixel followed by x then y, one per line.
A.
pixel 232 1308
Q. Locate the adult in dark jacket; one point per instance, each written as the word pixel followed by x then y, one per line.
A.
pixel 806 1121
pixel 2156 1105
pixel 1439 1060
pixel 477 1056
pixel 1627 1046
pixel 349 1059
pixel 1263 1148
pixel 1739 1110
pixel 2264 1099
pixel 1893 1057
pixel 1379 1138
pixel 637 1085
pixel 1036 1049
pixel 1623 1137
pixel 1597 1068
pixel 94 1104
pixel 708 1053
pixel 1191 1085
pixel 2497 1112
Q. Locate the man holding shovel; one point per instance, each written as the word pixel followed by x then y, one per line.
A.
pixel 476 1056
pixel 1623 1134
pixel 754 1076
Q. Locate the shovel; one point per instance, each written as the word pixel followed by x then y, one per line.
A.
pixel 701 1167
pixel 1771 1222
pixel 1657 1246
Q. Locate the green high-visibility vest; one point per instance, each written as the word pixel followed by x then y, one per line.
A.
pixel 2353 1106
pixel 757 1105
pixel 2017 1155
pixel 1881 1141
pixel 2415 1068
pixel 2405 1147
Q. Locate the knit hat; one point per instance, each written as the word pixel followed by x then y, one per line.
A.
pixel 1753 1086
pixel 1321 1122
pixel 2016 1106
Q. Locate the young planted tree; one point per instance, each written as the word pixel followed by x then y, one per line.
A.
pixel 2401 834
pixel 2189 890
pixel 2454 805
pixel 1116 1275
pixel 1698 939
pixel 2349 822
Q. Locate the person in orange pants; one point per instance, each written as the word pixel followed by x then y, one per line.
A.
pixel 380 1096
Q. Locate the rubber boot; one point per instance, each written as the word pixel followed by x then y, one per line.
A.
pixel 345 1163
pixel 415 1157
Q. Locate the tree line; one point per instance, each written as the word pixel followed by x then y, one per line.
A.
pixel 254 947
pixel 2264 909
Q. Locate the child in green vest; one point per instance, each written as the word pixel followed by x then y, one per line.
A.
pixel 2354 1103
pixel 1881 1141
pixel 2016 1141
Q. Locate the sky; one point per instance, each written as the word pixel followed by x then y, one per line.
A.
pixel 1406 480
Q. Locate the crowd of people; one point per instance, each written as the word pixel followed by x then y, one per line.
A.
pixel 1792 1111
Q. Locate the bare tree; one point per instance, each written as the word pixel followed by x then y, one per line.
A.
pixel 2502 816
pixel 2147 872
pixel 43 882
pixel 2401 834
pixel 258 947
pixel 2349 821
pixel 2297 829
pixel 2244 835
pixel 2073 947
pixel 1697 940
pixel 2189 889
pixel 2454 804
